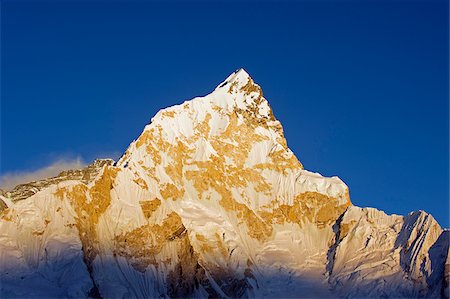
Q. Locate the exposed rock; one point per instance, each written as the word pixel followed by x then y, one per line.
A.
pixel 85 175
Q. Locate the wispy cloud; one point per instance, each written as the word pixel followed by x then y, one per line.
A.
pixel 115 155
pixel 11 179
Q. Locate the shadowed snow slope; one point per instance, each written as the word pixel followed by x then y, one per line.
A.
pixel 210 202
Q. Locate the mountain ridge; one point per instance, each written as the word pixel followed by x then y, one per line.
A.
pixel 209 201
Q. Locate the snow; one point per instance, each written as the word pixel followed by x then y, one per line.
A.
pixel 256 244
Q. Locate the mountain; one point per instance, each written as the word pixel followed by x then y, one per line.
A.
pixel 209 201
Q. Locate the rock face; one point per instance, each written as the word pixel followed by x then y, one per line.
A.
pixel 84 175
pixel 210 202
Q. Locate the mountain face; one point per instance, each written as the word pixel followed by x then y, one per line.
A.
pixel 210 202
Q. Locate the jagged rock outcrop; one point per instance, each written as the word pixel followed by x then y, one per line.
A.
pixel 210 202
pixel 84 175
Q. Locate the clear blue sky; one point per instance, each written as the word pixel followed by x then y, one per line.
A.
pixel 361 87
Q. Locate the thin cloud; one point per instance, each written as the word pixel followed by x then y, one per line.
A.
pixel 115 155
pixel 11 179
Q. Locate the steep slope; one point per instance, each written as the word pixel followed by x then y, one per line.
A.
pixel 376 255
pixel 210 201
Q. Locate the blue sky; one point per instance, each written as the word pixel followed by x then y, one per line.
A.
pixel 361 87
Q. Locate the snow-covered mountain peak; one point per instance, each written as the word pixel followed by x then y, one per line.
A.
pixel 209 201
pixel 234 128
pixel 239 77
